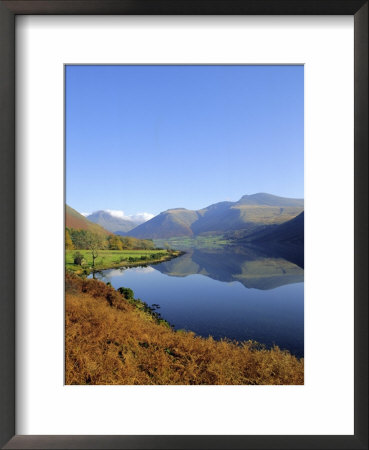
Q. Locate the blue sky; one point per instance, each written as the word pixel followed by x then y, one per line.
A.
pixel 149 138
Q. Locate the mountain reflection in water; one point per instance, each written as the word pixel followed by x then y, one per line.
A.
pixel 244 264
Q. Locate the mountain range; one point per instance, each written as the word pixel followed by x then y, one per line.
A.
pixel 258 219
pixel 247 214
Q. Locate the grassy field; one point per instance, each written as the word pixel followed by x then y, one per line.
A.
pixel 108 259
pixel 110 340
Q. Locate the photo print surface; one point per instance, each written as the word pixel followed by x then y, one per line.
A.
pixel 184 215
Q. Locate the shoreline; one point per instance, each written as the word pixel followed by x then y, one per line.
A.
pixel 144 305
pixel 127 264
pixel 152 311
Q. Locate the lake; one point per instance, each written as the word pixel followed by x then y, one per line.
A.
pixel 234 292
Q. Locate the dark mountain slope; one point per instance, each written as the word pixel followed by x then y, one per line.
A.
pixel 288 232
pixel 285 240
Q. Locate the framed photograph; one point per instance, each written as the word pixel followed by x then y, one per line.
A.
pixel 185 224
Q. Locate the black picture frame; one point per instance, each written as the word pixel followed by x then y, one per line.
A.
pixel 8 12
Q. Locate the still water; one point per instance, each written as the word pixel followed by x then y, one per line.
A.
pixel 234 293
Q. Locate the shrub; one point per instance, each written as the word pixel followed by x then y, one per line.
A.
pixel 127 293
pixel 78 259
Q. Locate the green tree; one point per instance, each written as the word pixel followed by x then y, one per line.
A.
pixel 94 244
pixel 115 243
pixel 79 238
pixel 147 244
